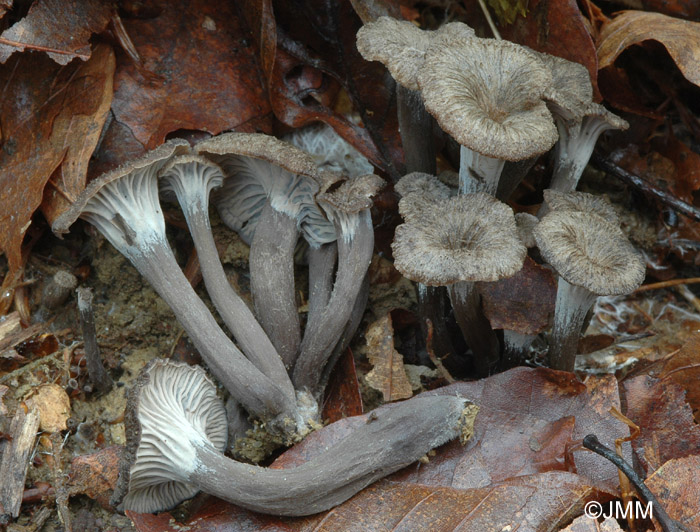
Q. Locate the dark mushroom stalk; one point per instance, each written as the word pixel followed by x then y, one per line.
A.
pixel 346 203
pixel 191 178
pixel 487 95
pixel 457 243
pixel 123 205
pixel 267 197
pixel 592 257
pixel 176 433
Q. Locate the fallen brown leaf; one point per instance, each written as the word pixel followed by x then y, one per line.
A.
pixel 50 116
pixel 388 375
pixel 95 475
pixel 53 405
pixel 680 37
pixel 676 486
pixel 61 28
pixel 667 428
pixel 683 368
pixel 343 397
pixel 587 524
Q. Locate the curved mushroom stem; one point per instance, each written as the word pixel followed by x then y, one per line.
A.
pixel 388 441
pixel 321 272
pixel 515 346
pixel 416 130
pixel 511 176
pixel 193 196
pixel 354 255
pixel 475 327
pixel 573 303
pixel 478 173
pixel 432 301
pixel 272 281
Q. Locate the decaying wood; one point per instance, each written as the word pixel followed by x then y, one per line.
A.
pixel 96 370
pixel 15 459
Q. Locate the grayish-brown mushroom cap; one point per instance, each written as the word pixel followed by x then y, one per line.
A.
pixel 195 173
pixel 418 189
pixel 588 251
pixel 401 45
pixel 571 91
pixel 526 223
pixel 466 238
pixel 488 94
pixel 581 202
pixel 171 407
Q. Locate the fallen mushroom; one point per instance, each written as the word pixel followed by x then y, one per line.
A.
pixel 592 257
pixel 123 205
pixel 191 178
pixel 457 243
pixel 176 431
pixel 487 95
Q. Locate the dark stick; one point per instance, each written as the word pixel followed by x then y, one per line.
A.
pixel 667 524
pixel 96 371
pixel 611 168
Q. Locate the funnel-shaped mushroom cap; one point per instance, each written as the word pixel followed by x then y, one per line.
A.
pixel 488 94
pixel 189 174
pixel 588 251
pixel 466 238
pixel 417 189
pixel 400 45
pixel 571 89
pixel 126 189
pixel 581 202
pixel 171 408
pixel 526 223
pixel 260 167
pixel 342 198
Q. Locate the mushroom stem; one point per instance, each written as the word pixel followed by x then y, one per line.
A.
pixel 416 130
pixel 477 331
pixel 515 346
pixel 272 281
pixel 322 261
pixel 478 173
pixel 388 441
pixel 432 303
pixel 96 371
pixel 190 185
pixel 355 247
pixel 256 392
pixel 511 176
pixel 573 303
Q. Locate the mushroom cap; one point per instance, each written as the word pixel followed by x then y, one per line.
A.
pixel 487 94
pixel 259 167
pixel 196 173
pixel 581 202
pixel 599 118
pixel 418 189
pixel 150 163
pixel 401 45
pixel 571 89
pixel 588 251
pixel 465 238
pixel 526 223
pixel 171 408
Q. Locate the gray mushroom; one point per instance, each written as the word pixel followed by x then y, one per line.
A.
pixel 268 198
pixel 592 257
pixel 191 178
pixel 555 200
pixel 487 95
pixel 176 430
pixel 464 240
pixel 123 205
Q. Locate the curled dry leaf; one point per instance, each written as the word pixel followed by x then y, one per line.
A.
pixel 680 37
pixel 683 368
pixel 389 375
pixel 95 474
pixel 62 28
pixel 51 116
pixel 53 405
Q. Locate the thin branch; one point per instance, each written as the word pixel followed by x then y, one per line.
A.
pixel 666 284
pixel 24 45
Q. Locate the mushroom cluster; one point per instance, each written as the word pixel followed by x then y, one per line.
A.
pixel 505 105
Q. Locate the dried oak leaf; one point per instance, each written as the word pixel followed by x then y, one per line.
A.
pixel 675 484
pixel 343 397
pixel 523 302
pixel 683 368
pixel 50 116
pixel 388 375
pixel 667 428
pixel 586 524
pixel 61 28
pixel 198 71
pixel 681 38
pixel 95 475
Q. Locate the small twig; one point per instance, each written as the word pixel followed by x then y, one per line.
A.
pixel 624 481
pixel 30 46
pixel 591 443
pixel 666 284
pixel 689 296
pixel 664 197
pixel 434 359
pixel 485 10
pixel 96 370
